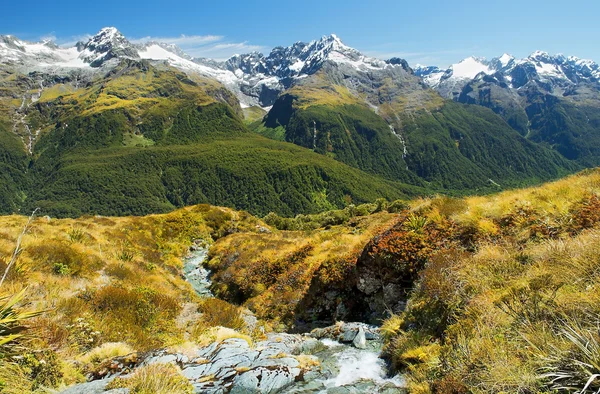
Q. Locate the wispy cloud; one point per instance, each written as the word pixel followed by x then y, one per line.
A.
pixel 72 40
pixel 182 40
pixel 209 46
pixel 438 58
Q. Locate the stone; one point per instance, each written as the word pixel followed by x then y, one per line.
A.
pixel 95 387
pixel 360 341
pixel 245 383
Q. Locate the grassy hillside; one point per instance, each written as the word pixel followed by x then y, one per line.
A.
pixel 512 305
pixel 108 287
pixel 411 136
pixel 499 293
pixel 247 172
pixel 147 139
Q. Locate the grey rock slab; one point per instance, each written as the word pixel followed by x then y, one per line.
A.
pixel 289 362
pixel 95 387
pixel 274 380
pixel 245 383
pixel 360 341
pixel 165 359
pixel 196 372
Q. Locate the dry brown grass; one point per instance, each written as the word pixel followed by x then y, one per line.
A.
pixel 103 280
pixel 271 273
pixel 506 301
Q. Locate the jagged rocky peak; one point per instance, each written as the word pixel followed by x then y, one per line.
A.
pixel 107 44
pixel 250 63
pixel 502 62
pixel 542 56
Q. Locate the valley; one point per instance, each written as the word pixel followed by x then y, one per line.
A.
pixel 437 285
pixel 311 219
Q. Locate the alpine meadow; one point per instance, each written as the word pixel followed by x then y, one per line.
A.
pixel 311 218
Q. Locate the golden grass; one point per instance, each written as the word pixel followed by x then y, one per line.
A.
pixel 272 272
pixel 121 280
pixel 106 351
pixel 219 334
pixel 154 379
pixel 509 297
pixel 319 91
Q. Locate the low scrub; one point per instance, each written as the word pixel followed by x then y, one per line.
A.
pixel 154 379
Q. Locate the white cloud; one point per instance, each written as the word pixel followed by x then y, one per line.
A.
pixel 210 46
pixel 71 41
pixel 182 40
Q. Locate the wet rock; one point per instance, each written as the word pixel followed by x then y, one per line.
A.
pixel 346 332
pixel 360 341
pixel 96 387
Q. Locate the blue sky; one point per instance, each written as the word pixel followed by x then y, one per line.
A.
pixel 428 32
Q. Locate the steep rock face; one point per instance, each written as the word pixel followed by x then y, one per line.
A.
pixel 381 278
pixel 109 43
pixel 550 99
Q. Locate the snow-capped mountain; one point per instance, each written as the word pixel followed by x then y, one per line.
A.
pixel 107 44
pixel 255 78
pixel 264 77
pixel 258 79
pixel 553 71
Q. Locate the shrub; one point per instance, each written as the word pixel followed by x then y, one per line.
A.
pixel 397 206
pixel 106 351
pixel 586 214
pixel 61 269
pixel 154 379
pixel 416 223
pixel 219 221
pixel 76 234
pixel 83 334
pixel 218 313
pixel 448 206
pixel 576 370
pixel 13 378
pixel 43 367
pixel 120 271
pixel 141 306
pixel 60 255
pixel 12 320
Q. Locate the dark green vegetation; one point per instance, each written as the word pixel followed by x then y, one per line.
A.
pixel 455 147
pixel 568 121
pixel 352 134
pixel 570 128
pixel 13 166
pixel 145 140
pixel 469 147
pixel 247 171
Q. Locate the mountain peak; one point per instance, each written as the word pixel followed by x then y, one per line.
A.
pixel 108 43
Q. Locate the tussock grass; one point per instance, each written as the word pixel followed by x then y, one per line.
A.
pixel 154 379
pixel 106 351
pixel 519 304
pixel 108 286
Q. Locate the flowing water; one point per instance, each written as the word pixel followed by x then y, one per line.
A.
pixel 344 369
pixel 195 272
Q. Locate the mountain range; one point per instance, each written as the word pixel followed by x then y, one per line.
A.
pixel 113 127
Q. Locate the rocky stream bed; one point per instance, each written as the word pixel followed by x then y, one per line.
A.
pixel 339 359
